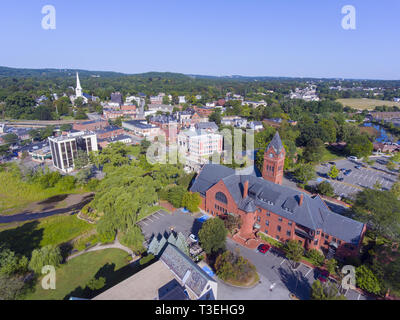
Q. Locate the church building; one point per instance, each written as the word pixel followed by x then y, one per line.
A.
pixel 280 212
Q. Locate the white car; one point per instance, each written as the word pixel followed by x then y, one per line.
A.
pixel 352 158
pixel 193 238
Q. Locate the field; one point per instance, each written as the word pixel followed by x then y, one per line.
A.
pixel 72 277
pixel 16 194
pixel 55 230
pixel 366 104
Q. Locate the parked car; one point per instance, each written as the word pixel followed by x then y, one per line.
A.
pixel 340 179
pixel 352 158
pixel 347 172
pixel 264 248
pixel 193 238
pixel 322 275
pixel 332 163
pixel 358 167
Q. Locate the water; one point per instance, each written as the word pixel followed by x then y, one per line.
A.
pixel 383 135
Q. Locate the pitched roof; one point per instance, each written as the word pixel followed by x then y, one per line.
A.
pixel 282 200
pixel 185 269
pixel 276 143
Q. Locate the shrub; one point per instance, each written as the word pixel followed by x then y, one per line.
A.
pixel 96 284
pixel 134 239
pixel 231 266
pixel 366 280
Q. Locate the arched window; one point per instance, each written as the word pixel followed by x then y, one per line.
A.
pixel 221 197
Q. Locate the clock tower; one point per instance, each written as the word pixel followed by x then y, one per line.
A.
pixel 274 160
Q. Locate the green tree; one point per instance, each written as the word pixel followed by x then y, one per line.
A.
pixel 134 239
pixel 396 189
pixel 381 210
pixel 81 160
pixel 11 287
pixel 359 146
pixel 66 127
pixel 331 266
pixel 304 173
pixel 328 291
pixel 212 235
pixel 215 117
pixel 48 255
pixel 11 264
pixel 390 165
pixel 191 201
pixel 314 150
pixel 326 189
pixel 334 172
pixel 294 251
pixel 366 280
pixel 316 257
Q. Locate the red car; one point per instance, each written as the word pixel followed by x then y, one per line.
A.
pixel 263 248
pixel 323 275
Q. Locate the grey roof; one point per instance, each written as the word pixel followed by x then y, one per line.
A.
pixel 206 125
pixel 184 267
pixel 247 205
pixel 276 143
pixel 313 213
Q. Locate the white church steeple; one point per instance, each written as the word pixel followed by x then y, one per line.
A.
pixel 78 90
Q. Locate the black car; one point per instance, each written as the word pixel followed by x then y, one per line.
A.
pixel 332 163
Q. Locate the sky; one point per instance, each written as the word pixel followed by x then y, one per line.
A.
pixel 295 38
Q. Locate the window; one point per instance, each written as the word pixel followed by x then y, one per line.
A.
pixel 258 219
pixel 339 242
pixel 277 237
pixel 316 242
pixel 268 214
pixel 327 236
pixel 318 232
pixel 266 231
pixel 334 239
pixel 266 222
pixel 322 234
pixel 288 233
pixel 278 228
pixel 280 219
pixel 221 197
pixel 290 223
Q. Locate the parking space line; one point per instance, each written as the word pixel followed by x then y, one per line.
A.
pixel 359 296
pixel 155 217
pixel 149 219
pixel 144 222
pixel 282 261
pixel 308 272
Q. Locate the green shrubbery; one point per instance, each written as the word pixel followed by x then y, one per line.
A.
pixel 315 257
pixel 232 267
pixel 48 255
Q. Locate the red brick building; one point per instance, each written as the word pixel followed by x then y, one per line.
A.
pixel 280 212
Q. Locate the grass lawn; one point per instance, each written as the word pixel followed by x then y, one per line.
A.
pixel 16 194
pixel 72 277
pixel 369 104
pixel 330 156
pixel 48 231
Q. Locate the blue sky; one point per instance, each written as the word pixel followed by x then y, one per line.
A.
pixel 211 37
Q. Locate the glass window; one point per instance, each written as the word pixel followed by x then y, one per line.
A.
pixel 288 233
pixel 290 223
pixel 278 228
pixel 221 197
pixel 280 219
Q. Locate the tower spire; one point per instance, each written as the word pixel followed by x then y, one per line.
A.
pixel 78 90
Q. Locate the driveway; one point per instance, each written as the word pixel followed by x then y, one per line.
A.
pixel 273 267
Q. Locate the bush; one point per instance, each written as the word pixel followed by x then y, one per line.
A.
pixel 67 183
pixel 107 237
pixel 325 188
pixel 231 266
pixel 92 184
pixel 96 284
pixel 316 257
pixel 191 201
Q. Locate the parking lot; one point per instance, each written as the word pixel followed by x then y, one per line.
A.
pixel 275 269
pixel 162 222
pixel 359 178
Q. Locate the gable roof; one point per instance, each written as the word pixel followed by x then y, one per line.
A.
pixel 189 273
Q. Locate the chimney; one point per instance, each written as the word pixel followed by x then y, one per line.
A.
pixel 301 200
pixel 245 189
